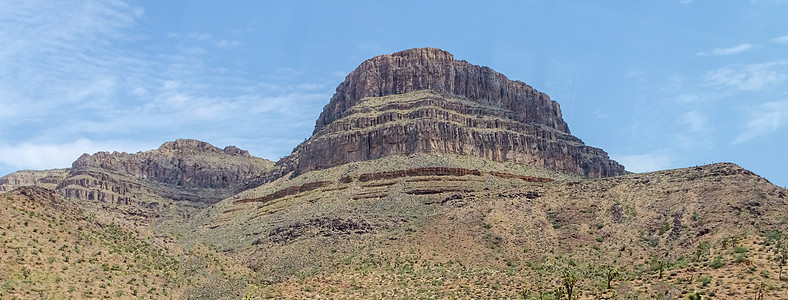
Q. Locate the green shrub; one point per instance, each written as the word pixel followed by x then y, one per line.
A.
pixel 717 262
pixel 695 296
pixel 704 280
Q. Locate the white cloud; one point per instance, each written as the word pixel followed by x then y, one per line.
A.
pixel 67 72
pixel 635 73
pixel 37 156
pixel 750 77
pixel 781 40
pixel 696 122
pixel 654 161
pixel 765 119
pixel 56 54
pixel 205 38
pixel 727 51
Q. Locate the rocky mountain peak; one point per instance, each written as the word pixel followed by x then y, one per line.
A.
pixel 437 70
pixel 183 169
pixel 424 101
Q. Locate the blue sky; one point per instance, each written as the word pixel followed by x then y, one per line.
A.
pixel 657 84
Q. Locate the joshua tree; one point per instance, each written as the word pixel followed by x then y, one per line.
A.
pixel 611 272
pixel 569 281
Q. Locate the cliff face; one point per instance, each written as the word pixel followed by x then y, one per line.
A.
pixel 437 70
pixel 424 101
pixel 188 170
pixel 47 179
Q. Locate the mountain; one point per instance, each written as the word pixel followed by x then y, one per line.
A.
pixel 424 101
pixel 175 180
pixel 425 177
pixel 187 170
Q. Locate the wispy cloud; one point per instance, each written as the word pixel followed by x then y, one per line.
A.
pixel 750 77
pixel 207 39
pixel 781 40
pixel 695 121
pixel 50 155
pixel 764 119
pixel 727 51
pixel 599 114
pixel 648 162
pixel 74 76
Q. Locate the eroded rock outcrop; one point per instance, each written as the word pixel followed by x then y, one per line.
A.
pixel 47 179
pixel 188 170
pixel 424 101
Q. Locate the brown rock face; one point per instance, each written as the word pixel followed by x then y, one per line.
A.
pixel 437 70
pixel 180 170
pixel 425 101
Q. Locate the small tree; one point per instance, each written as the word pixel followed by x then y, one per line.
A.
pixel 702 250
pixel 610 272
pixel 569 281
pixel 659 264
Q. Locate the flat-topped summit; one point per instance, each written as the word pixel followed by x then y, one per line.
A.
pixel 425 101
pixel 437 70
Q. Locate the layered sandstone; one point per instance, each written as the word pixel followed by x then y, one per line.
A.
pixel 424 101
pixel 187 170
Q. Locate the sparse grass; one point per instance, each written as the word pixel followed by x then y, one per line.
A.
pixel 499 240
pixel 90 259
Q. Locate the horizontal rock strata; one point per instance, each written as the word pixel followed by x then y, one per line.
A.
pixel 187 170
pixel 424 101
pixel 368 180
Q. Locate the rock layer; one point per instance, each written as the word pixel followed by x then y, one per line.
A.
pixel 437 70
pixel 47 179
pixel 425 101
pixel 188 170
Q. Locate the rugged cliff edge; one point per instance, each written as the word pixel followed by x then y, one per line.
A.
pixel 175 179
pixel 188 170
pixel 424 101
